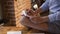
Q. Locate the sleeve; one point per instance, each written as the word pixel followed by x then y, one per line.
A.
pixel 45 5
pixel 54 17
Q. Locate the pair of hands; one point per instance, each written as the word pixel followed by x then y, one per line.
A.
pixel 33 16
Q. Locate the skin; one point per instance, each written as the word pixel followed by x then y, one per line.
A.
pixel 35 21
pixel 34 17
pixel 26 22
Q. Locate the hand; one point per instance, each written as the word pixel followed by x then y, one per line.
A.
pixel 30 12
pixel 26 12
pixel 33 13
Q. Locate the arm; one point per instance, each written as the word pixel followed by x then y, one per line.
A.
pixel 38 19
pixel 51 18
pixel 54 17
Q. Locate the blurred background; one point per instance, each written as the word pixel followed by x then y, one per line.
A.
pixel 10 14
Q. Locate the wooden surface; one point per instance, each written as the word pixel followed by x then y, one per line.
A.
pixel 5 29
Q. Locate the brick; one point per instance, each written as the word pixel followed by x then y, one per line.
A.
pixel 21 5
pixel 12 10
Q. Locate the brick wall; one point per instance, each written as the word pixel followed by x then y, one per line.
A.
pixel 12 10
pixel 8 11
pixel 19 6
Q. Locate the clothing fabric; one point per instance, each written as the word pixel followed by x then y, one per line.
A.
pixel 54 16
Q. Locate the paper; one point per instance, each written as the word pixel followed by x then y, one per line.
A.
pixel 24 13
pixel 14 32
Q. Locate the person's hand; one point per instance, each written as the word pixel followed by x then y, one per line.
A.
pixel 30 12
pixel 34 17
pixel 26 12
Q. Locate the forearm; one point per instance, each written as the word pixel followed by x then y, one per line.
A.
pixel 39 19
pixel 42 19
